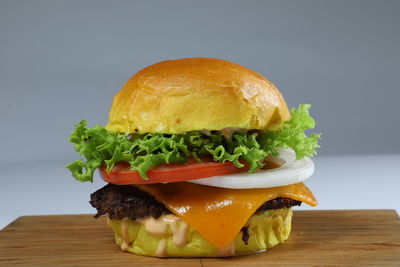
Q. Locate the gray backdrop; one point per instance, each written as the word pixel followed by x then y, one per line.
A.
pixel 61 61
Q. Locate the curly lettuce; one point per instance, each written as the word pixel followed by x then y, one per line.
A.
pixel 100 147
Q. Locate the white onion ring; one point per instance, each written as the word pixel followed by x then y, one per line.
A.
pixel 291 171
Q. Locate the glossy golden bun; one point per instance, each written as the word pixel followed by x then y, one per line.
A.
pixel 177 96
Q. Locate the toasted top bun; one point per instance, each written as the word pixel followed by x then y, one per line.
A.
pixel 177 96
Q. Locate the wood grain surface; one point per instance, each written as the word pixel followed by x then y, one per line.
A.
pixel 319 238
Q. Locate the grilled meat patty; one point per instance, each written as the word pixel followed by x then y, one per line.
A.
pixel 119 201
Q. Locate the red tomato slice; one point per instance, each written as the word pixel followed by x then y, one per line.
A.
pixel 122 174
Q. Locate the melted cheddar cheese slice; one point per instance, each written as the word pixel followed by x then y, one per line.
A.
pixel 216 213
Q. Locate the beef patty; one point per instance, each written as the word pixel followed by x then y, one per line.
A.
pixel 119 201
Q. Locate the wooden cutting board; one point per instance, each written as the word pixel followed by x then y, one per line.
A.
pixel 319 238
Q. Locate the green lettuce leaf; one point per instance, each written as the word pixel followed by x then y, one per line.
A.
pixel 99 146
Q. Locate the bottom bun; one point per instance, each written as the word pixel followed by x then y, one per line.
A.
pixel 169 236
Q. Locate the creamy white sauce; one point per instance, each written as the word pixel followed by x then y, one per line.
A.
pixel 227 251
pixel 179 233
pixel 154 226
pixel 228 132
pixel 159 227
pixel 125 234
pixel 161 249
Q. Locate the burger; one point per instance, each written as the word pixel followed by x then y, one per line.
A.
pixel 202 158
